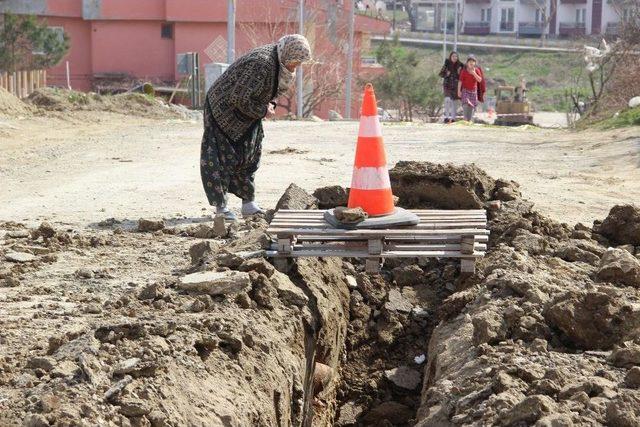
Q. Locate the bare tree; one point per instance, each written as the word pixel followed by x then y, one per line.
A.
pixel 548 10
pixel 322 80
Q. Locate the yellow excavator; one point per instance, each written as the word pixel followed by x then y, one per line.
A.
pixel 512 106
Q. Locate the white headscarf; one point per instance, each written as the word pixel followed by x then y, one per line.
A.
pixel 291 48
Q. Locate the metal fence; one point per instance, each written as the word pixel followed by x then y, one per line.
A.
pixel 23 83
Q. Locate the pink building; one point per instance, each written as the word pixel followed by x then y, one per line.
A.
pixel 141 38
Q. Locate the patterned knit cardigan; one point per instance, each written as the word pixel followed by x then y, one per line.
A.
pixel 239 98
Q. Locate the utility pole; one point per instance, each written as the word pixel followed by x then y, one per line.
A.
pixel 444 40
pixel 231 31
pixel 455 29
pixel 299 83
pixel 352 18
pixel 393 25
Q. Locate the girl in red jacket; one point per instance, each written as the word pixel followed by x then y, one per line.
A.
pixel 468 87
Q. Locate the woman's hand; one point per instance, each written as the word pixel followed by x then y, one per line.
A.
pixel 459 94
pixel 271 109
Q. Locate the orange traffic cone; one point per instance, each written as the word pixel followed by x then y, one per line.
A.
pixel 370 185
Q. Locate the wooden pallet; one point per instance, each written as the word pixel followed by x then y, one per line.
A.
pixel 441 234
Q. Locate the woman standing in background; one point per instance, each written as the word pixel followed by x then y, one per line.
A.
pixel 450 73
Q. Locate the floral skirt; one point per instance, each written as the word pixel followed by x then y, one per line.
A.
pixel 227 166
pixel 469 97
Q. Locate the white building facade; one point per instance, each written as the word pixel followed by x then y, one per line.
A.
pixel 525 18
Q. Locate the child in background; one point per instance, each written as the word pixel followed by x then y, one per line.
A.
pixel 470 79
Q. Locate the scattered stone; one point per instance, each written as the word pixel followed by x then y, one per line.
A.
pixel 506 191
pixel 117 388
pixel 65 369
pixel 408 275
pixel 322 376
pixel 351 282
pixel 488 328
pixel 634 102
pixel 259 265
pixel 152 291
pixel 126 366
pixel 397 302
pixel 331 197
pixel 348 414
pixel 131 407
pixel 350 215
pixel 632 379
pixel 92 309
pixel 84 273
pixel 18 234
pixel 216 283
pixel 220 228
pixel 150 225
pixel 622 225
pixel 287 291
pixel 20 257
pixel 573 253
pixel 404 377
pixel 625 357
pixel 619 266
pixel 295 197
pixel 199 251
pixel 35 420
pixel 530 410
pixel 555 420
pixel 624 410
pixel 45 230
pixel 46 363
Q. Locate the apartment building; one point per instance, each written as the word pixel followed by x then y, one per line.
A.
pixel 524 18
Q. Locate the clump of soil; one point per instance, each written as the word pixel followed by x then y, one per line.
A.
pixel 11 106
pixel 63 100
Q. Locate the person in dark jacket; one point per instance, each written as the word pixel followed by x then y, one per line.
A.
pixel 450 74
pixel 234 108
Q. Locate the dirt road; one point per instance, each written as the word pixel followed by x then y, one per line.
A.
pixel 95 166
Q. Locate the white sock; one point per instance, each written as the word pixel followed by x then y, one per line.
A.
pixel 250 208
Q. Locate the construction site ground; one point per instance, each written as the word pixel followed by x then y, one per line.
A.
pixel 95 165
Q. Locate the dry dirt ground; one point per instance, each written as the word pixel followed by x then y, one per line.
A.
pixel 89 166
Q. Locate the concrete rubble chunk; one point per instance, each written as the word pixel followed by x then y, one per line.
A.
pixel 117 388
pixel 632 379
pixel 20 257
pixel 625 357
pixel 216 283
pixel 288 291
pixel 45 363
pixel 331 196
pixel 530 410
pixel 150 224
pixel 622 225
pixel 397 302
pixel 621 267
pixel 404 377
pixel 350 215
pixel 295 197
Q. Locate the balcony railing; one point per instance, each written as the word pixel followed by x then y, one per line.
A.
pixel 477 28
pixel 572 29
pixel 613 29
pixel 573 1
pixel 477 1
pixel 530 28
pixel 506 26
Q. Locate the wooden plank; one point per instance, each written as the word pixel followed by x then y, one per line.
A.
pixel 467 244
pixel 374 233
pixel 385 254
pixel 422 220
pixel 421 226
pixel 442 238
pixel 417 211
pixel 479 247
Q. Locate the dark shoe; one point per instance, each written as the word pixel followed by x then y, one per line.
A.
pixel 447 121
pixel 452 120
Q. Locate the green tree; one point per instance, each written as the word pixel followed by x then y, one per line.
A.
pixel 26 43
pixel 405 83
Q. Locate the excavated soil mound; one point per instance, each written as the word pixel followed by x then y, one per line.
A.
pixel 11 106
pixel 62 100
pixel 425 184
pixel 622 225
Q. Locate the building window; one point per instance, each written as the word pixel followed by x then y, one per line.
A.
pixel 485 15
pixel 538 16
pixel 507 16
pixel 581 15
pixel 166 31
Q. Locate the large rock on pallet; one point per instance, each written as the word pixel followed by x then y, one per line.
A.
pixel 622 225
pixel 619 266
pixel 296 198
pixel 216 283
pixel 331 196
pixel 424 184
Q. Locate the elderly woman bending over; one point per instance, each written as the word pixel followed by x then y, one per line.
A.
pixel 234 108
